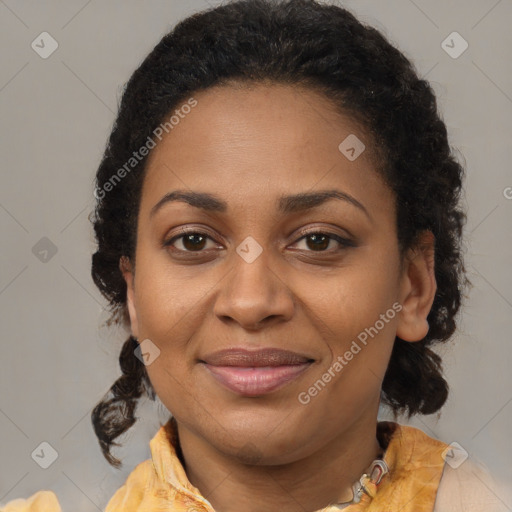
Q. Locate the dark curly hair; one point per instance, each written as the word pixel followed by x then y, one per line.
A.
pixel 325 48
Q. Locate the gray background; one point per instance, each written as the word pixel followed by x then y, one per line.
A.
pixel 58 359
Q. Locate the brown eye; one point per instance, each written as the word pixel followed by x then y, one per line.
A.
pixel 194 242
pixel 319 241
pixel 191 241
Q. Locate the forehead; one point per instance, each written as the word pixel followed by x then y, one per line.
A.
pixel 261 141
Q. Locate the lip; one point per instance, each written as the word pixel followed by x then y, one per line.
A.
pixel 255 358
pixel 255 372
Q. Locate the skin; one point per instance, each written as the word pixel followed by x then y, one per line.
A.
pixel 248 146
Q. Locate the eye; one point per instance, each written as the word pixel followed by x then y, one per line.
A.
pixel 318 241
pixel 191 240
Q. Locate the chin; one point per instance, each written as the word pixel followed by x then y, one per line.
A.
pixel 262 444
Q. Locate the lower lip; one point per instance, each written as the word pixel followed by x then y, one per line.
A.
pixel 256 381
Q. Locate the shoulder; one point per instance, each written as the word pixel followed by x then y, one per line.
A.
pixel 132 493
pixel 468 488
pixel 41 501
pixel 127 498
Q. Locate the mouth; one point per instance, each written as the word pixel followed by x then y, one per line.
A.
pixel 256 372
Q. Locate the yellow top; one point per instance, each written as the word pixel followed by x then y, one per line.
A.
pixel 414 460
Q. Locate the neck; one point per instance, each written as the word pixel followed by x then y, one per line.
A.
pixel 312 483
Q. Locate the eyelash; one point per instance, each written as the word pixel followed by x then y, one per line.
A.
pixel 344 243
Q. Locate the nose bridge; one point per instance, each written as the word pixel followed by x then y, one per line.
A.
pixel 252 268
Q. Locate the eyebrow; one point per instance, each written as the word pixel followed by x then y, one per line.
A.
pixel 286 204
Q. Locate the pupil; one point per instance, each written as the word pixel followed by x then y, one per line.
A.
pixel 317 238
pixel 193 245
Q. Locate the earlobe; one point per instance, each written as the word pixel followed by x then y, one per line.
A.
pixel 128 275
pixel 418 289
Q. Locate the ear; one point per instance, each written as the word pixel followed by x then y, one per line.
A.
pixel 417 289
pixel 126 268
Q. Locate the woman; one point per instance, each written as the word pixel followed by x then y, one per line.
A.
pixel 278 226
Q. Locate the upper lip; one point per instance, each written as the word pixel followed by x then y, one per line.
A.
pixel 253 358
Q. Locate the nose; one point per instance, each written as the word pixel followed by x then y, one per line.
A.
pixel 254 295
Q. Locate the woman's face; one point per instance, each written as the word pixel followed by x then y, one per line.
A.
pixel 269 267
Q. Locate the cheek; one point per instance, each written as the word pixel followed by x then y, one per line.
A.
pixel 361 337
pixel 354 299
pixel 356 312
pixel 168 306
pixel 168 299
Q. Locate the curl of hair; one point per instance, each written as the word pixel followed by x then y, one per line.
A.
pixel 325 48
pixel 115 414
